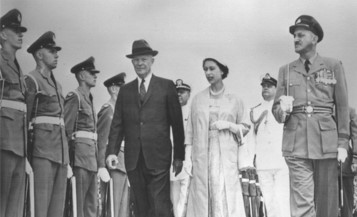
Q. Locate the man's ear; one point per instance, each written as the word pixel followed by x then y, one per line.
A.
pixel 3 35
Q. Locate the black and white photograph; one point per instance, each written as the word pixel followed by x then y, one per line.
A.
pixel 178 108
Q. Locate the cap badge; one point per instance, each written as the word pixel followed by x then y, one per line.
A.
pixel 267 76
pixel 179 82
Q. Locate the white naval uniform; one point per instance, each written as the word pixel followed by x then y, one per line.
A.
pixel 272 170
pixel 179 184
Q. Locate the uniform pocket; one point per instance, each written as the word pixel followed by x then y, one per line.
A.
pixel 289 135
pixel 294 88
pixel 329 135
pixel 7 114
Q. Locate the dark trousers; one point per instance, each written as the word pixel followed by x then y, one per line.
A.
pixel 313 187
pixel 12 176
pixel 50 187
pixel 151 188
pixel 348 191
pixel 87 189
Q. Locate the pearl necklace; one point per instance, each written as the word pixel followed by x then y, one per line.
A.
pixel 216 93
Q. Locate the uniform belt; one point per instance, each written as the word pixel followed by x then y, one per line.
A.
pixel 85 134
pixel 311 109
pixel 13 105
pixel 48 120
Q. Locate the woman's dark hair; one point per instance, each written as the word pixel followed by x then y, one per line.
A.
pixel 222 67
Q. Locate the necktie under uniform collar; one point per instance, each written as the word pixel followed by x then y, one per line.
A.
pixel 307 65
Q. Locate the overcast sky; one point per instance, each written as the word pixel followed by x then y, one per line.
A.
pixel 250 36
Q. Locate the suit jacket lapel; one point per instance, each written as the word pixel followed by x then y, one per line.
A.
pixel 135 91
pixel 149 92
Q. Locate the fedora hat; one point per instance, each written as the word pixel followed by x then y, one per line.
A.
pixel 141 47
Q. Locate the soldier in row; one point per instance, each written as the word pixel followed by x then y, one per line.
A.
pixel 48 149
pixel 81 131
pixel 13 121
pixel 121 190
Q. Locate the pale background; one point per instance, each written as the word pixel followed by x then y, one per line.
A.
pixel 251 37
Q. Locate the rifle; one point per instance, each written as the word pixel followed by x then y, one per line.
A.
pixel 70 207
pixel 341 189
pixel 29 207
pixel 111 190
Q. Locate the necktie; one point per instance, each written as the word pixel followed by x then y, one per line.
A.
pixel 142 91
pixel 307 65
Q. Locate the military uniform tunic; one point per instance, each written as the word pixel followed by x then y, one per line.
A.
pixel 49 150
pixel 12 120
pixel 315 136
pixel 80 116
pixel 12 136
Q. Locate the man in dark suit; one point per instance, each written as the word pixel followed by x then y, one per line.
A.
pixel 145 110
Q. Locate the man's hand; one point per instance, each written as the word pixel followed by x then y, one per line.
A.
pixel 341 154
pixel 286 103
pixel 28 168
pixel 112 161
pixel 69 171
pixel 103 174
pixel 177 166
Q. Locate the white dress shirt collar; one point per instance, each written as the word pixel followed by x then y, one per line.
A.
pixel 146 83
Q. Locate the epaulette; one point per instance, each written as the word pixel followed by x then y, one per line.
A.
pixel 106 105
pixel 34 80
pixel 74 92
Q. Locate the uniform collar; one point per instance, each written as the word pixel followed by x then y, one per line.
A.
pixel 87 95
pixel 312 59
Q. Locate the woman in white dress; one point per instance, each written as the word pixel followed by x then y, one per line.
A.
pixel 214 130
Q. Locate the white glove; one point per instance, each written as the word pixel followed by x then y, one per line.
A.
pixel 69 171
pixel 221 125
pixel 112 161
pixel 28 168
pixel 103 174
pixel 187 167
pixel 187 164
pixel 286 103
pixel 341 154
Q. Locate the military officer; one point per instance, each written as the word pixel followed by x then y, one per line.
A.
pixel 12 117
pixel 308 90
pixel 179 184
pixel 49 151
pixel 266 139
pixel 80 122
pixel 119 176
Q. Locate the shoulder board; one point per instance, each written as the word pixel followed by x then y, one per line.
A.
pixel 34 80
pixel 256 106
pixel 74 92
pixel 105 105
